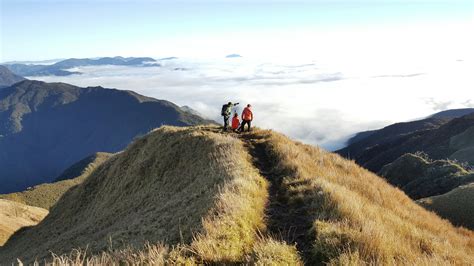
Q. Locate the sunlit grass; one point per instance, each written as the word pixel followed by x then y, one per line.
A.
pixel 357 217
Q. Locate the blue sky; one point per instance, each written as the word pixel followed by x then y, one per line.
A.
pixel 314 70
pixel 34 30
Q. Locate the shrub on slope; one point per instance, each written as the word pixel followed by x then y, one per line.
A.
pixel 456 205
pixel 14 215
pixel 46 195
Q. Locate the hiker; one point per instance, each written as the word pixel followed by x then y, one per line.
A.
pixel 235 122
pixel 226 112
pixel 247 117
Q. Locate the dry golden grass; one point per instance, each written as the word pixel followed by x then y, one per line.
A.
pixel 149 255
pixel 14 216
pixel 46 195
pixel 268 251
pixel 358 217
pixel 187 187
pixel 196 192
pixel 231 227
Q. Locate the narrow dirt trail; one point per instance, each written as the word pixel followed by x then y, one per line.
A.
pixel 286 221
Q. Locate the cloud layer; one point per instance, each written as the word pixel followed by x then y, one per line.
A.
pixel 312 101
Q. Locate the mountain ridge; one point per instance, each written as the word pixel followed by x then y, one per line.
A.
pixel 8 78
pixel 60 68
pixel 433 140
pixel 411 126
pixel 219 199
pixel 45 127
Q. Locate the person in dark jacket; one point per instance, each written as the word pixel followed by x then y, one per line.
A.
pixel 226 112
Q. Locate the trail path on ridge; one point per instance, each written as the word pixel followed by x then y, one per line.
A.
pixel 286 221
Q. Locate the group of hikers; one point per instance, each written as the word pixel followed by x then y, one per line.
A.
pixel 236 125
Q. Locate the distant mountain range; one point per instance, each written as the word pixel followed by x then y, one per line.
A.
pixel 362 140
pixel 168 58
pixel 8 78
pixel 61 68
pixel 433 135
pixel 45 127
pixel 408 127
pixel 233 56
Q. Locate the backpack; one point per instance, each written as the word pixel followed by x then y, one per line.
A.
pixel 224 110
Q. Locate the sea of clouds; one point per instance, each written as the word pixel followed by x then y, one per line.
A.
pixel 314 101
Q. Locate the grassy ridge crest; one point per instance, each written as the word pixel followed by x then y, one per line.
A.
pixel 193 196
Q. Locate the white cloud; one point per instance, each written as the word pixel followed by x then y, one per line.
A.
pixel 312 101
pixel 317 85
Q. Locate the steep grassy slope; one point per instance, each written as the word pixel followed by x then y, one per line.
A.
pixel 456 205
pixel 451 144
pixel 254 198
pixel 166 187
pixel 46 195
pixel 46 127
pixel 14 215
pixel 421 177
pixel 357 217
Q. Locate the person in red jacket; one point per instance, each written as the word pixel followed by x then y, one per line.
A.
pixel 247 117
pixel 235 122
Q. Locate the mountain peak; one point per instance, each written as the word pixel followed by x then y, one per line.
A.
pixel 8 78
pixel 233 56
